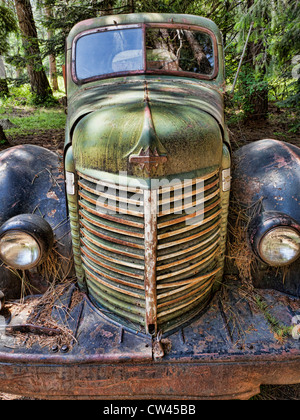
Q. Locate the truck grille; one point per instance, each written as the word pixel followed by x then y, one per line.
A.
pixel 156 282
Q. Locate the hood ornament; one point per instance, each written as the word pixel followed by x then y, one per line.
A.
pixel 148 160
pixel 149 153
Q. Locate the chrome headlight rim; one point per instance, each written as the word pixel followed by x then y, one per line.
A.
pixel 264 223
pixel 13 235
pixel 272 262
pixel 37 229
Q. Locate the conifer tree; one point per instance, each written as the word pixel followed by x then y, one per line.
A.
pixel 7 25
pixel 38 80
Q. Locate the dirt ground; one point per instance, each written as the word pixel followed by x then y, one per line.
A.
pixel 240 134
pixel 51 139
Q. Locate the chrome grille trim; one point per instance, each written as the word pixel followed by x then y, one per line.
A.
pixel 105 245
pixel 192 237
pixel 110 226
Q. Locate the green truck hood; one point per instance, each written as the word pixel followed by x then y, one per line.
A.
pixel 177 126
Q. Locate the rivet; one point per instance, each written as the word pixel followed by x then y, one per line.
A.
pixel 64 348
pixel 54 348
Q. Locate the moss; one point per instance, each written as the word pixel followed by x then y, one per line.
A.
pixel 280 331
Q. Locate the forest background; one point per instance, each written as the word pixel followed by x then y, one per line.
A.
pixel 264 104
pixel 32 41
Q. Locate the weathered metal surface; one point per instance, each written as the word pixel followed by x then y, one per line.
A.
pixel 226 353
pixel 149 128
pixel 269 170
pixel 150 209
pixel 147 159
pixel 146 271
pixel 266 181
pixel 187 119
pixel 152 267
pixel 32 181
pixel 34 329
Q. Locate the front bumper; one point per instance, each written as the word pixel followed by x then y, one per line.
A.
pixel 227 353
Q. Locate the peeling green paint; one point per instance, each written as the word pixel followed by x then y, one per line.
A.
pixel 189 127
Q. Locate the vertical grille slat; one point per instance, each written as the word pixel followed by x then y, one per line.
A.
pixel 150 272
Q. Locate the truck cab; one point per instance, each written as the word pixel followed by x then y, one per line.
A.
pixel 145 107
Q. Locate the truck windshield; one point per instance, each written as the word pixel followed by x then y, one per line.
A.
pixel 102 53
pixel 162 50
pixel 179 50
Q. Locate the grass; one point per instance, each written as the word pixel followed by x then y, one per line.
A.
pixel 28 118
pixel 36 121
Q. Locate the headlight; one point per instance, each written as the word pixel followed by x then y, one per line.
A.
pixel 19 250
pixel 280 246
pixel 275 238
pixel 25 241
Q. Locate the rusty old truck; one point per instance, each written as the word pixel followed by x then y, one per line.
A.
pixel 153 262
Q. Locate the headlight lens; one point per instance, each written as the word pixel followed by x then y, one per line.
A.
pixel 280 246
pixel 19 250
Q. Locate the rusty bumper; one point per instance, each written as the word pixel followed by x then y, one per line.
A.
pixel 226 354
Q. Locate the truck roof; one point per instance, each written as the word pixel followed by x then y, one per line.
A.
pixel 134 18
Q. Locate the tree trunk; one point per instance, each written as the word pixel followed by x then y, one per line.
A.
pixel 36 73
pixel 52 58
pixel 199 54
pixel 3 138
pixel 3 82
pixel 53 72
pixel 259 97
pixel 132 6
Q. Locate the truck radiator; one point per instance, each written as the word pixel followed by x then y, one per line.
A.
pixel 150 272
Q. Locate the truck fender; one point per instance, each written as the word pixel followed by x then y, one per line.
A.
pixel 266 184
pixel 32 182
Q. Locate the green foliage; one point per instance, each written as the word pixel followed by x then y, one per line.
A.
pixel 7 25
pixel 64 15
pixel 35 121
pixel 46 101
pixel 280 331
pixel 18 96
pixel 22 95
pixel 167 6
pixel 268 65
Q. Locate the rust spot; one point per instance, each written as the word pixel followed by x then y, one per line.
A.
pixel 293 155
pixel 52 213
pixel 9 152
pixel 51 194
pixel 148 159
pixel 107 334
pixel 281 162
